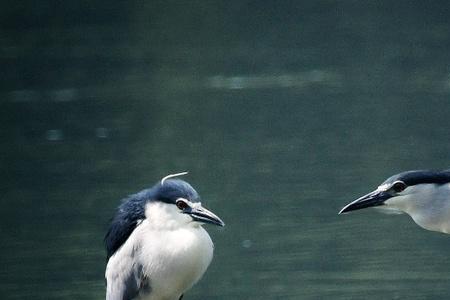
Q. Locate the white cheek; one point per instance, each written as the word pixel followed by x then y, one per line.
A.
pixel 413 198
pixel 385 209
pixel 397 202
pixel 165 216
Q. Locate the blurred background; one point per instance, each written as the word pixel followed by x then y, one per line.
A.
pixel 282 111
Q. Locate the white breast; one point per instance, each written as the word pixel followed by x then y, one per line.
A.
pixel 174 260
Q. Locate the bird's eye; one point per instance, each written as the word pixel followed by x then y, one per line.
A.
pixel 182 205
pixel 398 186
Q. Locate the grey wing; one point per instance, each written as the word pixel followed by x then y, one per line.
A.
pixel 125 280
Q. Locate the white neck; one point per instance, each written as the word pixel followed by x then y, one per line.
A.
pixel 427 204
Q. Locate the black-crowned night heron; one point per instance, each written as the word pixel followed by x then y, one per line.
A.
pixel 424 195
pixel 156 246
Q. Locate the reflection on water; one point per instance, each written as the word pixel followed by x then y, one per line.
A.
pixel 277 139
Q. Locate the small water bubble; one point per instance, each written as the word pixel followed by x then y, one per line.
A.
pixel 246 243
pixel 54 135
pixel 102 132
pixel 63 95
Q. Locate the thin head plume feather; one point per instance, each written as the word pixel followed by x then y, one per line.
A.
pixel 172 176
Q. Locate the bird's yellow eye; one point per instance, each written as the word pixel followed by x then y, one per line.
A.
pixel 398 186
pixel 182 205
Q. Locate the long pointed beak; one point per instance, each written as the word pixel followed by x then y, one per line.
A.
pixel 375 198
pixel 201 214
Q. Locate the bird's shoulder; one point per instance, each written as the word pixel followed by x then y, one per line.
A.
pixel 128 216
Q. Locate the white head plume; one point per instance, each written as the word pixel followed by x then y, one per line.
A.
pixel 172 175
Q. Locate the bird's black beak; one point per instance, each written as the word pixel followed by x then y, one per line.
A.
pixel 375 198
pixel 201 214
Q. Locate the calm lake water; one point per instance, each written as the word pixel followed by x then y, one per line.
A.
pixel 281 112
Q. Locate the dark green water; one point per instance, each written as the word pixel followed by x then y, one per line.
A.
pixel 283 112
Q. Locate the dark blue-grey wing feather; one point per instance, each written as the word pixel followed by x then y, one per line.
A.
pixel 127 217
pixel 129 284
pixel 132 284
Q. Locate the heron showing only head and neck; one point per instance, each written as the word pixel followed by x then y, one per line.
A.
pixel 156 246
pixel 424 195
